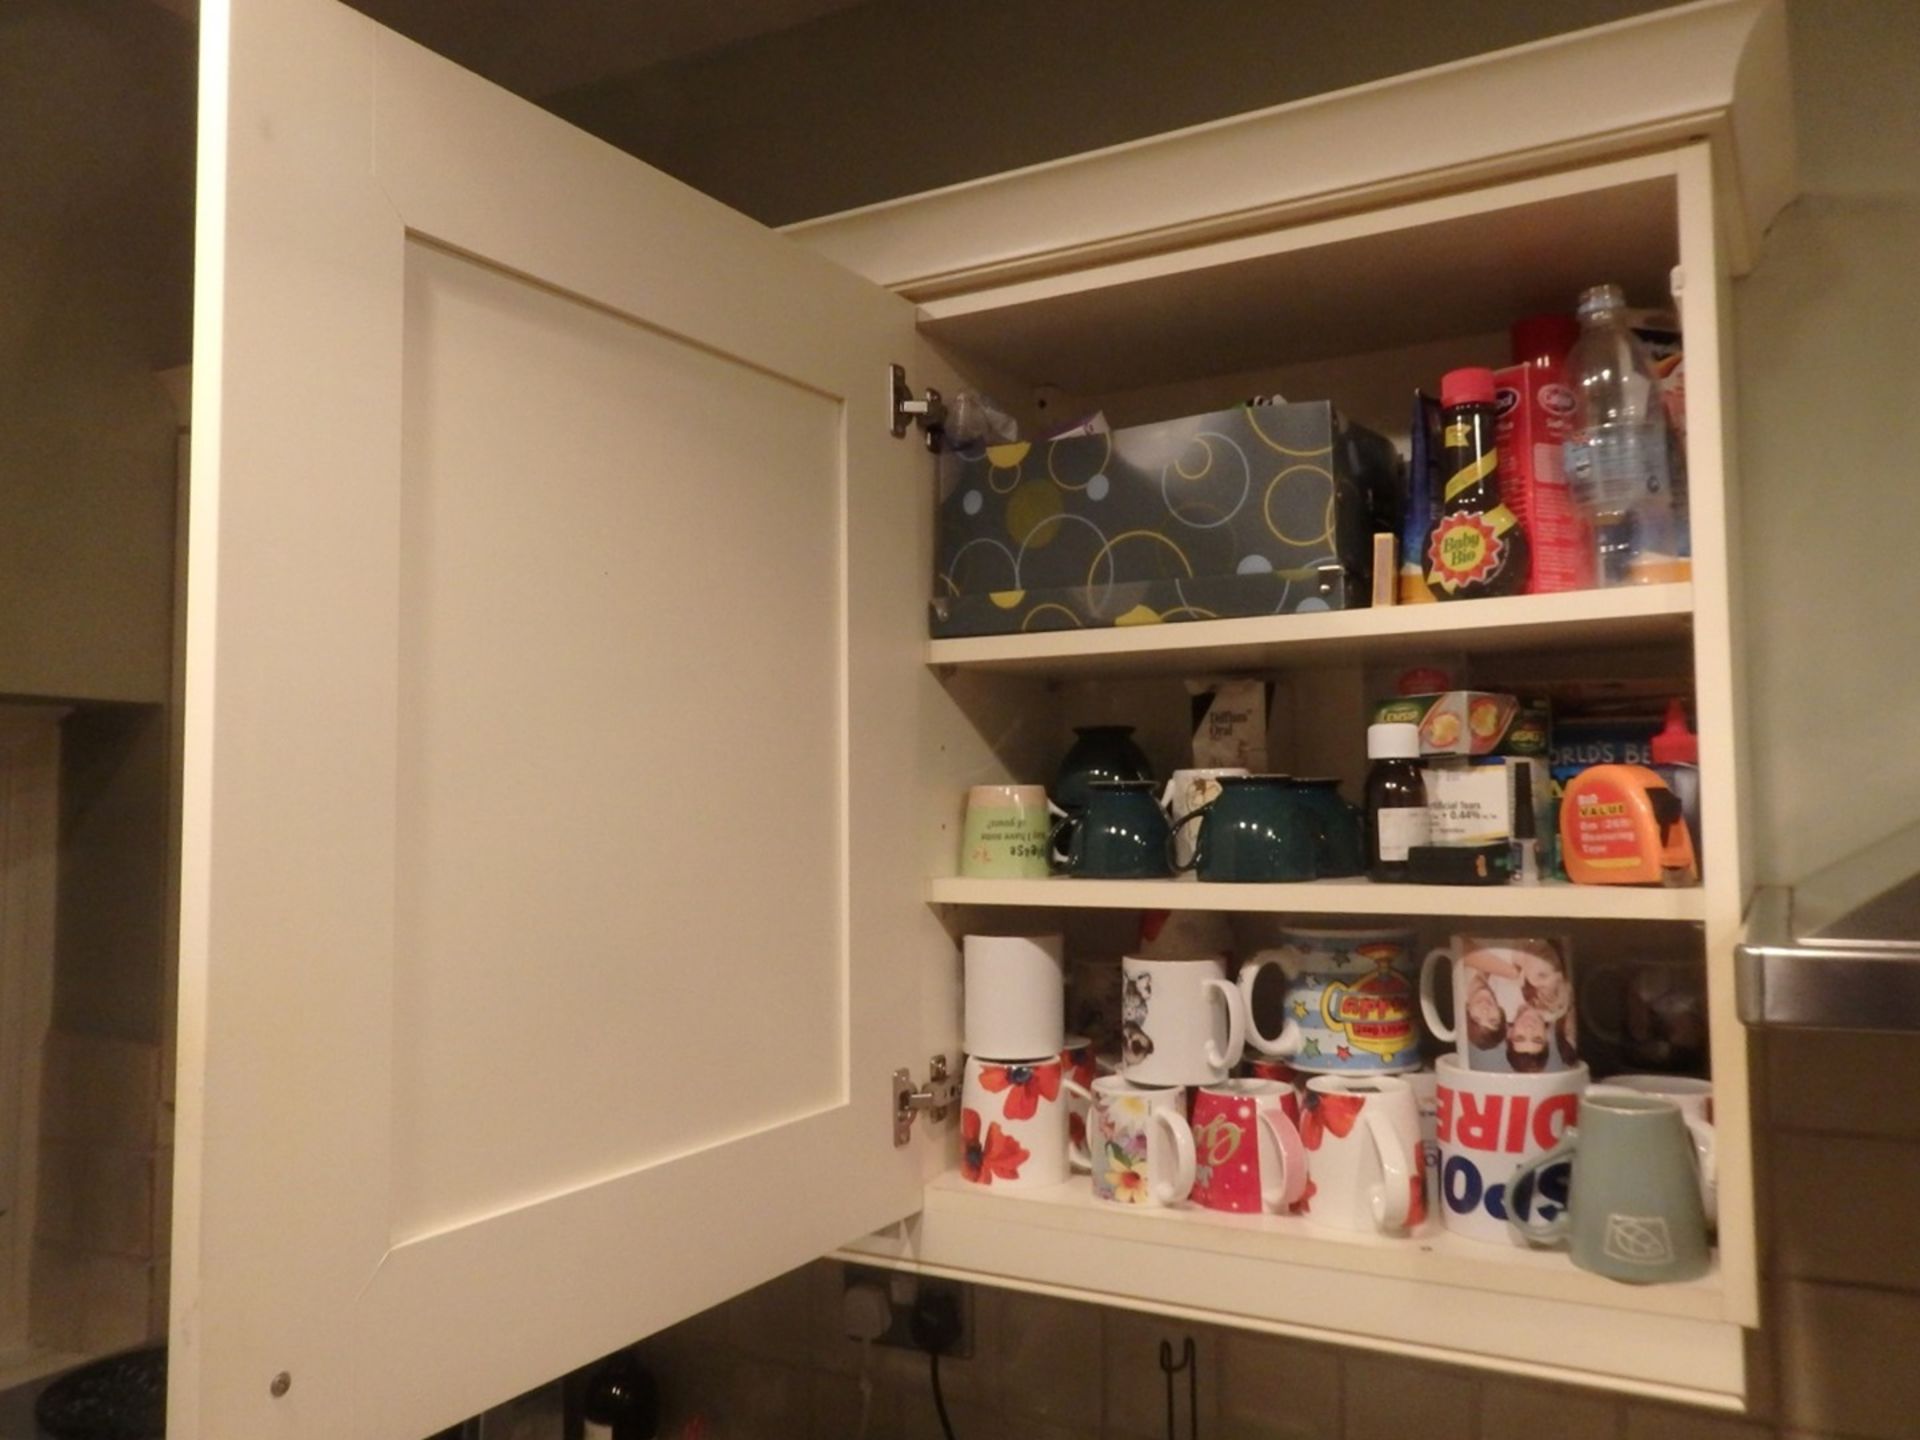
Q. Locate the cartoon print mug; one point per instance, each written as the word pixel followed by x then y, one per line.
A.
pixel 1513 1006
pixel 1013 1123
pixel 1140 1149
pixel 1489 1124
pixel 1182 1022
pixel 1348 1001
pixel 1362 1136
pixel 1633 1208
pixel 1247 1150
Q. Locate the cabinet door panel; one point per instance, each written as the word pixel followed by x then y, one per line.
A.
pixel 548 893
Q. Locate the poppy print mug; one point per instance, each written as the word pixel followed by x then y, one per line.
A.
pixel 1362 1137
pixel 1247 1151
pixel 1347 1001
pixel 1181 1021
pixel 1013 1123
pixel 1139 1146
pixel 1513 1008
pixel 1083 1063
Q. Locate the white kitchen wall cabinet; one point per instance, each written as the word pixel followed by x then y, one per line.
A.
pixel 569 784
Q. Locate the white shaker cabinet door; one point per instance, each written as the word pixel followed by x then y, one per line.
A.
pixel 549 878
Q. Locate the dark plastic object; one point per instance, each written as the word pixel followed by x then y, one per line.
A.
pixel 123 1397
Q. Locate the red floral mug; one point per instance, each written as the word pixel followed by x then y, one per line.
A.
pixel 1013 1123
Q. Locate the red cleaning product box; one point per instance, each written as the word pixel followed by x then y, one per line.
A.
pixel 1534 415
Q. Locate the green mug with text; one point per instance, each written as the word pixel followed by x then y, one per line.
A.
pixel 1005 836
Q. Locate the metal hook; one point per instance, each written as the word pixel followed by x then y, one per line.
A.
pixel 1169 1369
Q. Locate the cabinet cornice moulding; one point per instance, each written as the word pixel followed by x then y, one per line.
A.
pixel 1716 70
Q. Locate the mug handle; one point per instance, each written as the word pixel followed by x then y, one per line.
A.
pixel 1170 1190
pixel 1429 1006
pixel 1289 1041
pixel 1393 1198
pixel 1525 1176
pixel 1236 1026
pixel 1285 1181
pixel 1061 819
pixel 1707 1156
pixel 1174 829
pixel 1078 1155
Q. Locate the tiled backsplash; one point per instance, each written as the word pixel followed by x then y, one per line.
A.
pixel 1840 1167
pixel 102 1216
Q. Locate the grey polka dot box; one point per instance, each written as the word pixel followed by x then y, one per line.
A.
pixel 1259 510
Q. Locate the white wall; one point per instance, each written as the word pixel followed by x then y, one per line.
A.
pixel 1827 340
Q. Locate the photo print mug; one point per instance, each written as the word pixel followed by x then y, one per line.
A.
pixel 1513 1003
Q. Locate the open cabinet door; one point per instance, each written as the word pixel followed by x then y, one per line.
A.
pixel 550 880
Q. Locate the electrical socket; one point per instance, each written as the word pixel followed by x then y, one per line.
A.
pixel 903 1291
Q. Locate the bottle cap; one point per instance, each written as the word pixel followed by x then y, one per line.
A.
pixel 1543 340
pixel 1472 385
pixel 1598 299
pixel 1393 742
pixel 1676 744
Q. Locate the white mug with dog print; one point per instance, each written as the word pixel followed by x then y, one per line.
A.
pixel 1513 1003
pixel 1181 1021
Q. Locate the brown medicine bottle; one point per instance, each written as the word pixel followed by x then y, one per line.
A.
pixel 1396 800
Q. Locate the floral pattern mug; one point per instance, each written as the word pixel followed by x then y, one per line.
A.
pixel 1013 1123
pixel 1140 1148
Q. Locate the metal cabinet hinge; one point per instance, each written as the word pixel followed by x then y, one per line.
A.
pixel 929 412
pixel 935 1099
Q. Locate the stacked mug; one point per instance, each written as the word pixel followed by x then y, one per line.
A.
pixel 1347 1042
pixel 1018 1123
pixel 1532 1152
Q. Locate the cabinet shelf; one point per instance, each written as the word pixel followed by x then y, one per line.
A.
pixel 1577 620
pixel 1431 1256
pixel 1557 901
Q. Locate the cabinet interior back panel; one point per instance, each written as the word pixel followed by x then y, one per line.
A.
pixel 1294 296
pixel 616 877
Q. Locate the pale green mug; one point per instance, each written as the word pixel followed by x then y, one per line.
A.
pixel 1633 1209
pixel 1005 836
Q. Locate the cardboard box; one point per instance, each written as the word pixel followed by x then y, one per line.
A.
pixel 1260 510
pixel 1533 417
pixel 1470 801
pixel 1472 722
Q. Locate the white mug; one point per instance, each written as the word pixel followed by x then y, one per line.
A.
pixel 1695 1099
pixel 1015 997
pixel 1488 1125
pixel 1185 793
pixel 1139 1146
pixel 1362 1135
pixel 1182 1022
pixel 1013 1123
pixel 1513 1003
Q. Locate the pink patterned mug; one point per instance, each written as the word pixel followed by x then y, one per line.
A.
pixel 1247 1153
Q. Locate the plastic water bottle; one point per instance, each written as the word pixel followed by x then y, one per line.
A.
pixel 1618 458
